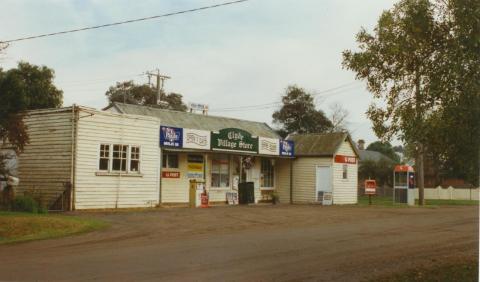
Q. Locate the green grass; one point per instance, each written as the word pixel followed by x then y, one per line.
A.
pixel 20 227
pixel 388 202
pixel 464 271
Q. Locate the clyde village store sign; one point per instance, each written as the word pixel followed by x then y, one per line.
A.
pixel 228 139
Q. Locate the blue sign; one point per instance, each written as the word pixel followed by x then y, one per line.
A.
pixel 286 148
pixel 171 136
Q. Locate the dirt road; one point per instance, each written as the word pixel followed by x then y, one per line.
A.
pixel 286 243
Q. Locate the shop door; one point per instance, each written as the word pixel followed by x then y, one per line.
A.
pixel 323 181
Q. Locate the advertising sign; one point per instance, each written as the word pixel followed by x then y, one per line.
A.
pixel 196 139
pixel 345 159
pixel 234 139
pixel 170 174
pixel 195 166
pixel 268 146
pixel 171 136
pixel 370 187
pixel 286 148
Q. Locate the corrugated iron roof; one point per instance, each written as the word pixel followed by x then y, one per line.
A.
pixel 373 156
pixel 197 121
pixel 319 144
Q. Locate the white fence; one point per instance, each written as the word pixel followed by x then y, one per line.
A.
pixel 450 193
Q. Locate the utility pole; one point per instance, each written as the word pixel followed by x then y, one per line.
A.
pixel 160 82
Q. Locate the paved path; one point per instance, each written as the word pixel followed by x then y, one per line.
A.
pixel 250 244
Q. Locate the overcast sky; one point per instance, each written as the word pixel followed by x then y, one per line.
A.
pixel 238 55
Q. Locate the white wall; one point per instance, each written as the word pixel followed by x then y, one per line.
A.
pixel 450 193
pixel 345 190
pixel 116 191
pixel 304 178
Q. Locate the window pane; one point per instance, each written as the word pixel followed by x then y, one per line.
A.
pixel 164 160
pixel 119 161
pixel 104 157
pixel 267 171
pixel 220 171
pixel 135 158
pixel 345 171
pixel 172 161
pixel 116 164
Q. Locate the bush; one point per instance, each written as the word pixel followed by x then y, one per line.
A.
pixel 26 204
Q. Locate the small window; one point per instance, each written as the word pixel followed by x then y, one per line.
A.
pixel 345 171
pixel 267 172
pixel 170 161
pixel 104 160
pixel 220 171
pixel 119 158
pixel 135 158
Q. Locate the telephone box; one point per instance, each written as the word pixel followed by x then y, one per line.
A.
pixel 404 185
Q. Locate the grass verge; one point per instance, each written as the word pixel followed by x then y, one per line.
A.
pixel 20 227
pixel 464 271
pixel 388 202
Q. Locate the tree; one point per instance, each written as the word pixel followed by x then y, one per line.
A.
pixel 406 64
pixel 338 117
pixel 27 87
pixel 299 115
pixel 384 148
pixel 381 171
pixel 131 93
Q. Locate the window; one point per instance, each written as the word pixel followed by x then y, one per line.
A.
pixel 345 171
pixel 220 171
pixel 170 161
pixel 135 158
pixel 119 158
pixel 104 160
pixel 267 173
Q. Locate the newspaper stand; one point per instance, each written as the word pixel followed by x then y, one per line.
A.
pixel 404 185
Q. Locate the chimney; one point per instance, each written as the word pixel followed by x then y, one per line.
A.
pixel 361 144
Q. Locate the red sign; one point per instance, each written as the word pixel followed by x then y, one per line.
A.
pixel 370 187
pixel 345 159
pixel 403 168
pixel 171 174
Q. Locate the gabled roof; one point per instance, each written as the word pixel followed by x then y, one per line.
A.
pixel 195 121
pixel 320 144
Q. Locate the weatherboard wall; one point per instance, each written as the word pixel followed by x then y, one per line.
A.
pixel 345 190
pixel 95 189
pixel 304 178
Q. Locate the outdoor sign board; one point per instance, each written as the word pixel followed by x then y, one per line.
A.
pixel 170 174
pixel 196 139
pixel 268 146
pixel 171 136
pixel 234 139
pixel 195 166
pixel 370 187
pixel 286 148
pixel 345 159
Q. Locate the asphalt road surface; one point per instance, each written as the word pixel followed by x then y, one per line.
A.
pixel 254 243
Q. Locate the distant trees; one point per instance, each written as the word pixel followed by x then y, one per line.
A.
pixel 338 117
pixel 299 115
pixel 142 94
pixel 384 148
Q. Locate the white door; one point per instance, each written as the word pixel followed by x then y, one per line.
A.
pixel 323 180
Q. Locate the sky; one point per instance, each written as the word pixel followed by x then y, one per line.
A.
pixel 238 55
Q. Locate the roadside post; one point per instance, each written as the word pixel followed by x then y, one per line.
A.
pixel 370 189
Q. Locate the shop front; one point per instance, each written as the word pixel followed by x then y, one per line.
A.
pixel 233 165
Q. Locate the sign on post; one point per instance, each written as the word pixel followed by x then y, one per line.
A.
pixel 370 187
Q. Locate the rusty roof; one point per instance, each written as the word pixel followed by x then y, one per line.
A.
pixel 320 144
pixel 196 121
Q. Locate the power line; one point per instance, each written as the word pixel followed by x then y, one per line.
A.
pixel 124 22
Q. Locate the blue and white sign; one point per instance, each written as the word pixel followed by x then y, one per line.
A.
pixel 171 136
pixel 286 148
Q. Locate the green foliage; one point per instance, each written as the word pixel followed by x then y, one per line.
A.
pixel 130 93
pixel 422 64
pixel 384 148
pixel 25 204
pixel 299 115
pixel 381 171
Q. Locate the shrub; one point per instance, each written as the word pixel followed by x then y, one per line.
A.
pixel 25 204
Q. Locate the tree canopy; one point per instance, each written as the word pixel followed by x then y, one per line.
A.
pixel 384 148
pixel 299 115
pixel 27 87
pixel 131 93
pixel 421 63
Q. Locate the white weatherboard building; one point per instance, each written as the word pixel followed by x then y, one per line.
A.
pixel 136 156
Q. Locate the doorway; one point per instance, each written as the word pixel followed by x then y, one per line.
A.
pixel 323 182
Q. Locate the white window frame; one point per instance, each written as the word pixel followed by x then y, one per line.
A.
pixel 345 171
pixel 165 157
pixel 273 178
pixel 100 157
pixel 128 159
pixel 228 173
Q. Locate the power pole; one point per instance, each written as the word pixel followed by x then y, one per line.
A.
pixel 160 82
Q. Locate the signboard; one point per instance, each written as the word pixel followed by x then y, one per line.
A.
pixel 170 174
pixel 286 148
pixel 171 136
pixel 268 146
pixel 234 139
pixel 196 139
pixel 370 187
pixel 345 159
pixel 195 166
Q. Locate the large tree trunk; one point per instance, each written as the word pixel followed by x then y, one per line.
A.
pixel 420 174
